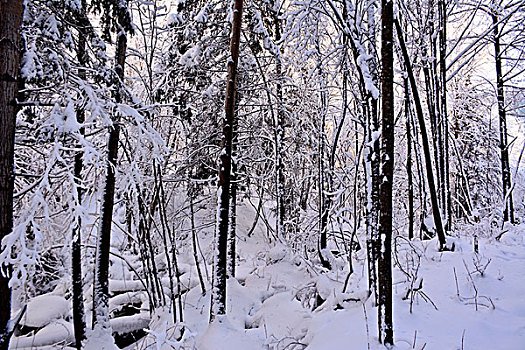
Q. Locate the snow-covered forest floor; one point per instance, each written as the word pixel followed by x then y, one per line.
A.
pixel 280 300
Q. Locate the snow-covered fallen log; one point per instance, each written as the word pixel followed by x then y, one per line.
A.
pixel 128 324
pixel 56 333
pixel 43 309
pixel 120 286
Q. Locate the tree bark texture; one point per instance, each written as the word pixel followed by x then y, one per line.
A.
pixel 10 51
pixel 232 226
pixel 218 301
pixel 372 158
pixel 79 323
pixel 445 170
pixel 385 321
pixel 409 162
pixel 279 130
pixel 101 293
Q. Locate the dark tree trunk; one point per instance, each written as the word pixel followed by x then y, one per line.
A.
pixel 279 131
pixel 167 238
pixel 372 158
pixel 101 292
pixel 218 298
pixel 10 52
pixel 79 323
pixel 409 162
pixel 385 321
pixel 508 213
pixel 421 178
pixel 10 48
pixel 424 138
pixel 435 110
pixel 232 227
pixel 431 106
pixel 324 200
pixel 194 238
pixel 445 179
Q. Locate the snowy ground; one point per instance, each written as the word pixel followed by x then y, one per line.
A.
pixel 459 300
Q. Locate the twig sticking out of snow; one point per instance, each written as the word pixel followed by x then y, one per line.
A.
pixel 476 296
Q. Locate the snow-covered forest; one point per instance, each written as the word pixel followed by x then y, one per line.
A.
pixel 262 174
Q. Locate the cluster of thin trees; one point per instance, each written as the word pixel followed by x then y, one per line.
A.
pixel 323 111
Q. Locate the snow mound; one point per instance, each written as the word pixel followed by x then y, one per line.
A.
pixel 100 339
pixel 276 254
pixel 222 335
pixel 242 303
pixel 282 317
pixel 43 309
pixel 57 332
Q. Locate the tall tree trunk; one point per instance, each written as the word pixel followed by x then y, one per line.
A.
pixel 79 323
pixel 385 321
pixel 218 298
pixel 409 162
pixel 373 156
pixel 101 292
pixel 232 227
pixel 194 238
pixel 435 109
pixel 10 48
pixel 445 170
pixel 508 213
pixel 324 200
pixel 167 237
pixel 424 138
pixel 279 126
pixel 421 178
pixel 431 106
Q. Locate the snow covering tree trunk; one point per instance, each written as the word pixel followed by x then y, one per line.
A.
pixel 373 157
pixel 232 226
pixel 445 170
pixel 431 105
pixel 167 239
pixel 384 317
pixel 218 297
pixel 194 238
pixel 101 292
pixel 409 162
pixel 324 200
pixel 10 49
pixel 436 117
pixel 79 323
pixel 424 138
pixel 368 78
pixel 508 212
pixel 279 123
